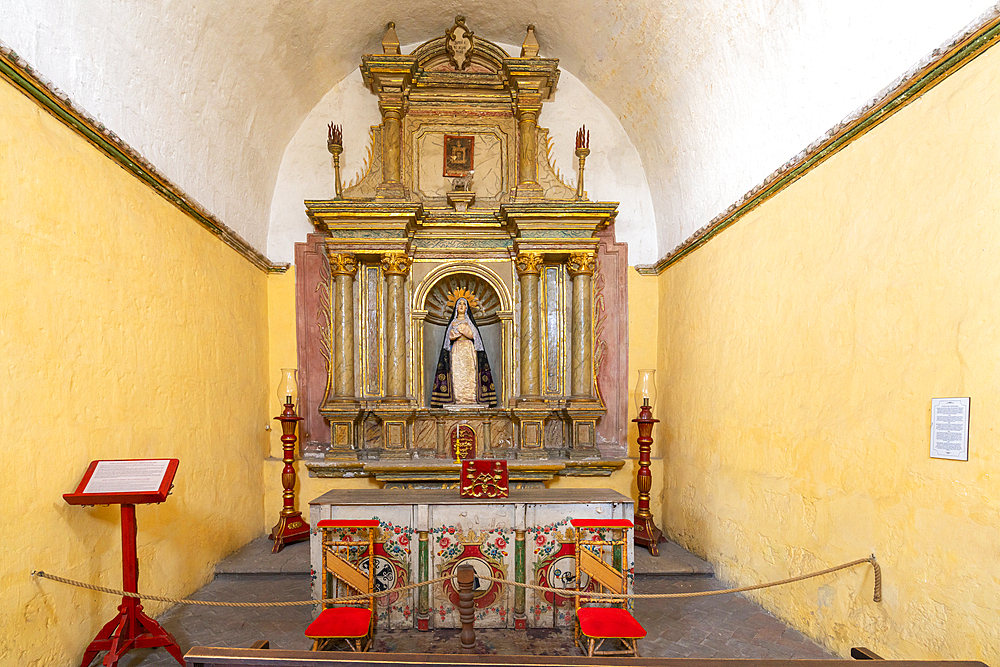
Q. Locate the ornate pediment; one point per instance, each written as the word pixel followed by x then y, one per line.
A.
pixel 463 68
pixel 463 86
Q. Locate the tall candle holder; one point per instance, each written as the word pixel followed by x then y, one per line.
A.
pixel 582 151
pixel 335 144
pixel 290 527
pixel 646 532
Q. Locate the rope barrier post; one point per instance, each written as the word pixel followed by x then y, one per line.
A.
pixel 466 607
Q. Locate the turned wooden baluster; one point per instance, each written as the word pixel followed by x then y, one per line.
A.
pixel 466 607
pixel 290 527
pixel 646 532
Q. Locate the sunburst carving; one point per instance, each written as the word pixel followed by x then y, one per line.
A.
pixel 462 293
pixel 447 291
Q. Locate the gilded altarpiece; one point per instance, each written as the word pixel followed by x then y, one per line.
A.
pixel 459 286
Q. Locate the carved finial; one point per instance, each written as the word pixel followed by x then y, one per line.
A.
pixel 530 47
pixel 390 41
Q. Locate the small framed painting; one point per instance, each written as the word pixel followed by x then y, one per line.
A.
pixel 458 152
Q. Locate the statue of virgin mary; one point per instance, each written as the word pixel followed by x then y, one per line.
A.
pixel 463 375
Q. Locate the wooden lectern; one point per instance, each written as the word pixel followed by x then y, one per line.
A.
pixel 127 483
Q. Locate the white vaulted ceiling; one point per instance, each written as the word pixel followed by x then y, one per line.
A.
pixel 713 95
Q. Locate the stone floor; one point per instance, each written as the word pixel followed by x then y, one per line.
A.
pixel 722 626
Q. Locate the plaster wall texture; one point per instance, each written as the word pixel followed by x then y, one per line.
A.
pixel 799 352
pixel 283 353
pixel 713 95
pixel 643 326
pixel 614 169
pixel 127 331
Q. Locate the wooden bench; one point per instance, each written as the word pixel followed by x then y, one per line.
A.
pixel 202 656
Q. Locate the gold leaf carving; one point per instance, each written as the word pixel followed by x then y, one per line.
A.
pixel 528 262
pixel 581 264
pixel 343 263
pixel 448 290
pixel 396 263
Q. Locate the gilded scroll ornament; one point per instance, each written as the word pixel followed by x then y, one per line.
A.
pixel 581 264
pixel 343 263
pixel 528 262
pixel 484 479
pixel 458 42
pixel 396 263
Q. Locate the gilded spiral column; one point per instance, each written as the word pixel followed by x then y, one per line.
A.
pixel 395 266
pixel 529 267
pixel 581 270
pixel 343 266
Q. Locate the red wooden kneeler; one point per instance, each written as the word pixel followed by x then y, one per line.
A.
pixel 601 619
pixel 127 483
pixel 352 623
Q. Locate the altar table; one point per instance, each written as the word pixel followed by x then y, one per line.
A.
pixel 427 533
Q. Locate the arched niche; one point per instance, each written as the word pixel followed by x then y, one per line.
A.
pixel 492 307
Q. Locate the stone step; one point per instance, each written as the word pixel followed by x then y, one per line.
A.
pixel 256 559
pixel 673 560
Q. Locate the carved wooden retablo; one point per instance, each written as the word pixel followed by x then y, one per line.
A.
pixel 459 281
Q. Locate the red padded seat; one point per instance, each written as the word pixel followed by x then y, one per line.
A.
pixel 609 623
pixel 348 523
pixel 341 622
pixel 601 523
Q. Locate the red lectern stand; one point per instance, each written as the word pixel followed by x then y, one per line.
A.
pixel 127 483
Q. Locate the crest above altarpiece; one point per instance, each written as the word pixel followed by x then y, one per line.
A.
pixel 459 290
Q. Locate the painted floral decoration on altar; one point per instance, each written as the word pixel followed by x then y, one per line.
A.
pixel 392 569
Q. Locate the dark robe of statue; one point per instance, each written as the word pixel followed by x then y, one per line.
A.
pixel 462 338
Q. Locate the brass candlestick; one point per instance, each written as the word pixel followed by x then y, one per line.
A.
pixel 582 151
pixel 335 144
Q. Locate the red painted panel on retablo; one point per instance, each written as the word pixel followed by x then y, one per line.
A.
pixel 484 478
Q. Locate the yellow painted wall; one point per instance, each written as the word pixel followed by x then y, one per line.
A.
pixel 126 330
pixel 283 354
pixel 799 353
pixel 642 353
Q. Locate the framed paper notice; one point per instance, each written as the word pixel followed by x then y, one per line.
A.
pixel 124 481
pixel 950 428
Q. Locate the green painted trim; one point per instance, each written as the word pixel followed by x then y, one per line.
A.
pixel 129 160
pixel 519 572
pixel 909 90
pixel 423 600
